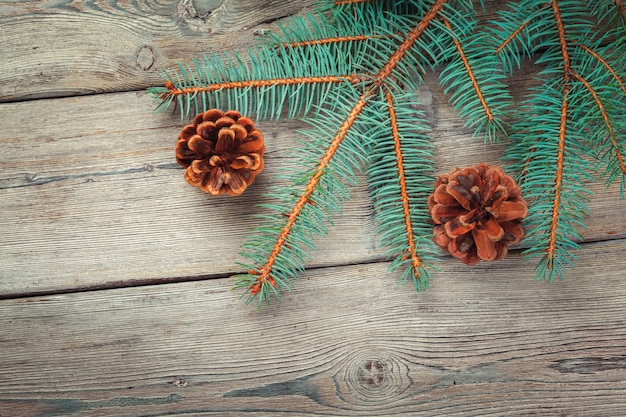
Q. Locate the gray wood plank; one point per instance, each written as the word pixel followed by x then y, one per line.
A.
pixel 90 196
pixel 346 341
pixel 65 48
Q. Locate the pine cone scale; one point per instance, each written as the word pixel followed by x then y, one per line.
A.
pixel 510 210
pixel 485 247
pixel 441 213
pixel 494 230
pixel 200 146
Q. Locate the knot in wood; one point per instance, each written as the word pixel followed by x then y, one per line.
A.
pixel 371 373
pixel 145 58
pixel 372 379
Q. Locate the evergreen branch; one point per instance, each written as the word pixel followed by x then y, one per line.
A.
pixel 344 2
pixel 262 83
pixel 558 181
pixel 512 36
pixel 416 263
pixel 174 91
pixel 338 39
pixel 400 180
pixel 474 80
pixel 411 38
pixel 606 65
pixel 605 117
pixel 562 40
pixel 518 32
pixel 471 75
pixel 314 30
pixel 264 275
pixel 547 142
pixel 261 279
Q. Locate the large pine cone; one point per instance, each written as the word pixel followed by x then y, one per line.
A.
pixel 223 152
pixel 477 213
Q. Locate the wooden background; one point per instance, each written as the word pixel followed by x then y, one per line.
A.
pixel 114 291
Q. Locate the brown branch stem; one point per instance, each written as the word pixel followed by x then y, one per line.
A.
pixel 470 73
pixel 605 117
pixel 404 195
pixel 558 182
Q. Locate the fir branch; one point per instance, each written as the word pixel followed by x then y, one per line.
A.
pixel 261 83
pixel 471 75
pixel 399 169
pixel 606 65
pixel 558 183
pixel 563 112
pixel 512 36
pixel 337 39
pixel 262 279
pixel 563 42
pixel 174 91
pixel 264 273
pixel 411 38
pixel 345 2
pixel 518 32
pixel 549 144
pixel 320 29
pixel 308 212
pixel 416 263
pixel 607 122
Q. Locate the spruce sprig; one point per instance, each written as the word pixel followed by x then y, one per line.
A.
pixel 572 125
pixel 351 71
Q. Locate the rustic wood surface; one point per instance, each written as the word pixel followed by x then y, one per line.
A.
pixel 114 291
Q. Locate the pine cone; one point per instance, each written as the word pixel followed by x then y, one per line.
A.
pixel 477 213
pixel 223 152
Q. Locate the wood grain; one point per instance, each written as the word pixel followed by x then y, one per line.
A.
pixel 346 341
pixel 65 48
pixel 91 197
pixel 114 299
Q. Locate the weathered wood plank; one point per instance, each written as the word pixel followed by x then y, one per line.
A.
pixel 90 196
pixel 64 48
pixel 482 341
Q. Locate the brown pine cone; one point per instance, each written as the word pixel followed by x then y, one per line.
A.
pixel 477 213
pixel 222 151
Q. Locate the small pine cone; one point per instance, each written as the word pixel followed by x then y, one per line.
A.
pixel 222 151
pixel 477 213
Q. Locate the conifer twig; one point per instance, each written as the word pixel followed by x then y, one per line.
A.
pixel 511 37
pixel 606 65
pixel 470 74
pixel 264 273
pixel 404 195
pixel 607 122
pixel 558 180
pixel 174 91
